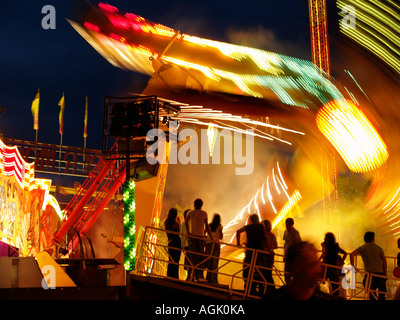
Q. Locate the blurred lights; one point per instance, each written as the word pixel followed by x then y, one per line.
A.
pixel 377 28
pixel 287 208
pixel 216 65
pixel 391 214
pixel 107 7
pixel 279 187
pixel 91 26
pixel 129 225
pixel 353 136
pixel 12 164
pixel 217 119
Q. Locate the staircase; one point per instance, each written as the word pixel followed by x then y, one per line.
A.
pixel 84 209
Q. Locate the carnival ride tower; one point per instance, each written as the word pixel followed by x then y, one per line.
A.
pixel 319 34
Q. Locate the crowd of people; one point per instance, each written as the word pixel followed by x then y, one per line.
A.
pixel 199 239
pixel 302 263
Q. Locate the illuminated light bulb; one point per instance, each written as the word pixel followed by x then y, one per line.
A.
pixel 117 37
pixel 353 136
pixel 162 30
pixel 126 218
pixel 129 224
pixel 107 7
pixel 126 242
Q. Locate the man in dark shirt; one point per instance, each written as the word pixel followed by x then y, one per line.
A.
pixel 291 236
pixel 256 239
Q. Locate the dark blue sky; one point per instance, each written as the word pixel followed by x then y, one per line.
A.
pixel 59 60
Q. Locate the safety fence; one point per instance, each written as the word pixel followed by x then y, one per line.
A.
pixel 356 284
pixel 249 278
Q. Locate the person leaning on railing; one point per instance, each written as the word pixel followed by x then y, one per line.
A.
pixel 330 256
pixel 256 240
pixel 174 241
pixel 374 263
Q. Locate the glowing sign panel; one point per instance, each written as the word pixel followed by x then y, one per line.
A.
pixel 29 215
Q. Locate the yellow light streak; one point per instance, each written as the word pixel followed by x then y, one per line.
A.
pixel 212 133
pixel 377 28
pixel 207 71
pixel 254 200
pixel 287 208
pixel 280 175
pixel 353 136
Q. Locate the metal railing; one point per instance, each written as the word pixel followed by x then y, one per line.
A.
pixel 355 283
pixel 153 258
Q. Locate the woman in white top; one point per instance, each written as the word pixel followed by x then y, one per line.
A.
pixel 213 248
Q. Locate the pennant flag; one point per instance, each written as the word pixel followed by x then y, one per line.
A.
pixel 35 111
pixel 61 116
pixel 85 120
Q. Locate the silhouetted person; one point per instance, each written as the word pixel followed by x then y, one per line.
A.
pixel 268 260
pixel 374 263
pixel 291 237
pixel 256 239
pixel 398 255
pixel 213 248
pixel 197 225
pixel 185 247
pixel 303 264
pixel 174 241
pixel 330 255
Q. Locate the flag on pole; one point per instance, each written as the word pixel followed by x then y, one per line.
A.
pixel 85 120
pixel 61 116
pixel 35 111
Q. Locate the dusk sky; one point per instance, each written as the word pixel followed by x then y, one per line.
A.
pixel 60 60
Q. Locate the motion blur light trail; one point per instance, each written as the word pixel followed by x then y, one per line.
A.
pixel 377 28
pixel 216 119
pixel 270 197
pixel 353 136
pixel 388 215
pixel 131 42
